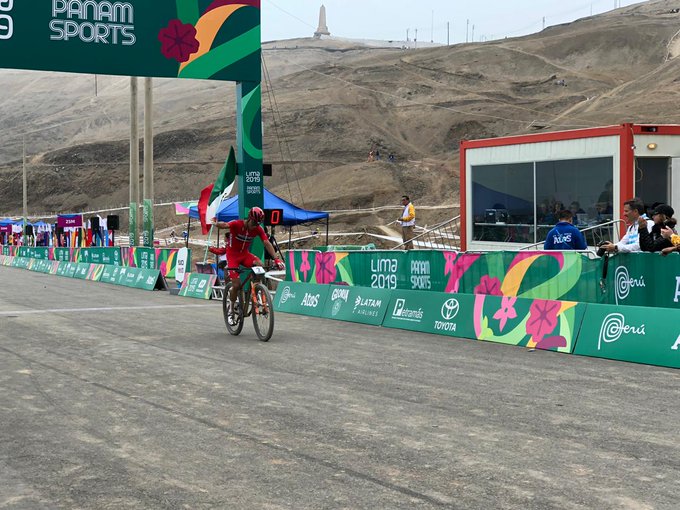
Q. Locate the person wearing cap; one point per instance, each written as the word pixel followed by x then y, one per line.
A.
pixel 662 230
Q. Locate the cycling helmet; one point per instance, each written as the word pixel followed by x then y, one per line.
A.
pixel 256 214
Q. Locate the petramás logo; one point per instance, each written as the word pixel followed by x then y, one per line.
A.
pixel 6 21
pixel 614 326
pixel 286 294
pixel 402 313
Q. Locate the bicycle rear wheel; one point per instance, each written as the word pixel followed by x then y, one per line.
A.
pixel 263 313
pixel 234 322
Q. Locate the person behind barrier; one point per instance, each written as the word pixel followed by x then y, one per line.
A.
pixel 242 233
pixel 564 235
pixel 221 252
pixel 633 210
pixel 408 222
pixel 662 230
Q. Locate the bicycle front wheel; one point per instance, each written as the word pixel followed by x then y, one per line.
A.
pixel 263 312
pixel 233 320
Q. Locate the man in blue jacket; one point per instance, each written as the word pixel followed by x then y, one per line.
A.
pixel 564 235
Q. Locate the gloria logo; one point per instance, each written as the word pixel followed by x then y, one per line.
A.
pixel 623 283
pixel 450 309
pixel 614 326
pixel 6 21
pixel 286 294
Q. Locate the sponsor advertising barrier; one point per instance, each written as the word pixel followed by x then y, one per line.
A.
pixel 631 333
pixel 644 279
pixel 533 275
pixel 356 304
pixel 301 298
pixel 163 259
pixel 146 279
pixel 197 285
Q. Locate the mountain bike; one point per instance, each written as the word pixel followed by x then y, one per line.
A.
pixel 253 299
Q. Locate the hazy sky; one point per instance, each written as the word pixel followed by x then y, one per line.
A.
pixel 390 19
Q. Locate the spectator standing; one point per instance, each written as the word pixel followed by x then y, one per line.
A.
pixel 408 222
pixel 633 210
pixel 564 235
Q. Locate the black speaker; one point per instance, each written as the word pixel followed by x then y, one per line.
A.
pixel 112 222
pixel 94 223
pixel 29 230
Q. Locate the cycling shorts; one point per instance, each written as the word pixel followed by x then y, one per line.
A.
pixel 240 258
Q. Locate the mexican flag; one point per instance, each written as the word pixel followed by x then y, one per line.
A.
pixel 213 195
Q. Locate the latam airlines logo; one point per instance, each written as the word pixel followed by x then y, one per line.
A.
pixel 6 21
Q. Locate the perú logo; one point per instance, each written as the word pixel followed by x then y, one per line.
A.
pixel 450 309
pixel 623 283
pixel 613 326
pixel 286 294
pixel 6 21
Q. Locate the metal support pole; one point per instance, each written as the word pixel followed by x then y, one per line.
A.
pixel 148 230
pixel 134 162
pixel 25 188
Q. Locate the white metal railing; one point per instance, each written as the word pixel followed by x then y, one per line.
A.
pixel 443 236
pixel 594 235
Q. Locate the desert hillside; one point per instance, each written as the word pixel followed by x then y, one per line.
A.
pixel 327 103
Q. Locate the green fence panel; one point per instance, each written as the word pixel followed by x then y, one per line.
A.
pixel 21 262
pixel 644 279
pixel 301 298
pixel 631 333
pixel 346 247
pixel 101 255
pixel 111 274
pixel 42 253
pixel 356 304
pixel 432 312
pixel 145 279
pixel 163 259
pixel 62 254
pixel 197 285
pixel 81 271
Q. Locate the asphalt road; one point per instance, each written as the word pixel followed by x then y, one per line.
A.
pixel 119 398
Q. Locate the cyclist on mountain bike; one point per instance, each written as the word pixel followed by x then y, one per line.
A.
pixel 238 250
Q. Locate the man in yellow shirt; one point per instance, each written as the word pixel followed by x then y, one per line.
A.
pixel 408 222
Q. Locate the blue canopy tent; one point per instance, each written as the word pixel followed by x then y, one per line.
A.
pixel 292 214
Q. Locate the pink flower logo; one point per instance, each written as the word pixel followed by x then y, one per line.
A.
pixel 456 267
pixel 542 318
pixel 506 311
pixel 325 267
pixel 178 40
pixel 489 286
pixel 305 266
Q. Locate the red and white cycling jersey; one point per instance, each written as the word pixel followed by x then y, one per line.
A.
pixel 241 238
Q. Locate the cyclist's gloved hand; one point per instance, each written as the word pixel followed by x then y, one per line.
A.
pixel 278 263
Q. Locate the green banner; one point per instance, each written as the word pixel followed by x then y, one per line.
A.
pixel 146 279
pixel 109 255
pixel 630 333
pixel 356 304
pixel 147 224
pixel 205 39
pixel 301 298
pixel 34 253
pixel 432 312
pixel 132 222
pixel 198 285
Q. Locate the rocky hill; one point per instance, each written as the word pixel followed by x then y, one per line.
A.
pixel 327 103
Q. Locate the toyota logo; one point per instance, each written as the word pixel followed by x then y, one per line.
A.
pixel 450 309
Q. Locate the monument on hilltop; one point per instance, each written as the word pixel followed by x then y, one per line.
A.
pixel 323 29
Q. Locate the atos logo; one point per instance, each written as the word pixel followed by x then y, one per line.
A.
pixel 6 21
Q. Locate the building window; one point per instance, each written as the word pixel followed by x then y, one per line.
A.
pixel 519 203
pixel 503 203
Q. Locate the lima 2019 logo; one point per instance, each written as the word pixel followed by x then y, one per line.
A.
pixel 6 21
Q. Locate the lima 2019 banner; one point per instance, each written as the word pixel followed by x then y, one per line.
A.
pixel 203 39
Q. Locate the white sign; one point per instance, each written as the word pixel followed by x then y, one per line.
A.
pixel 181 267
